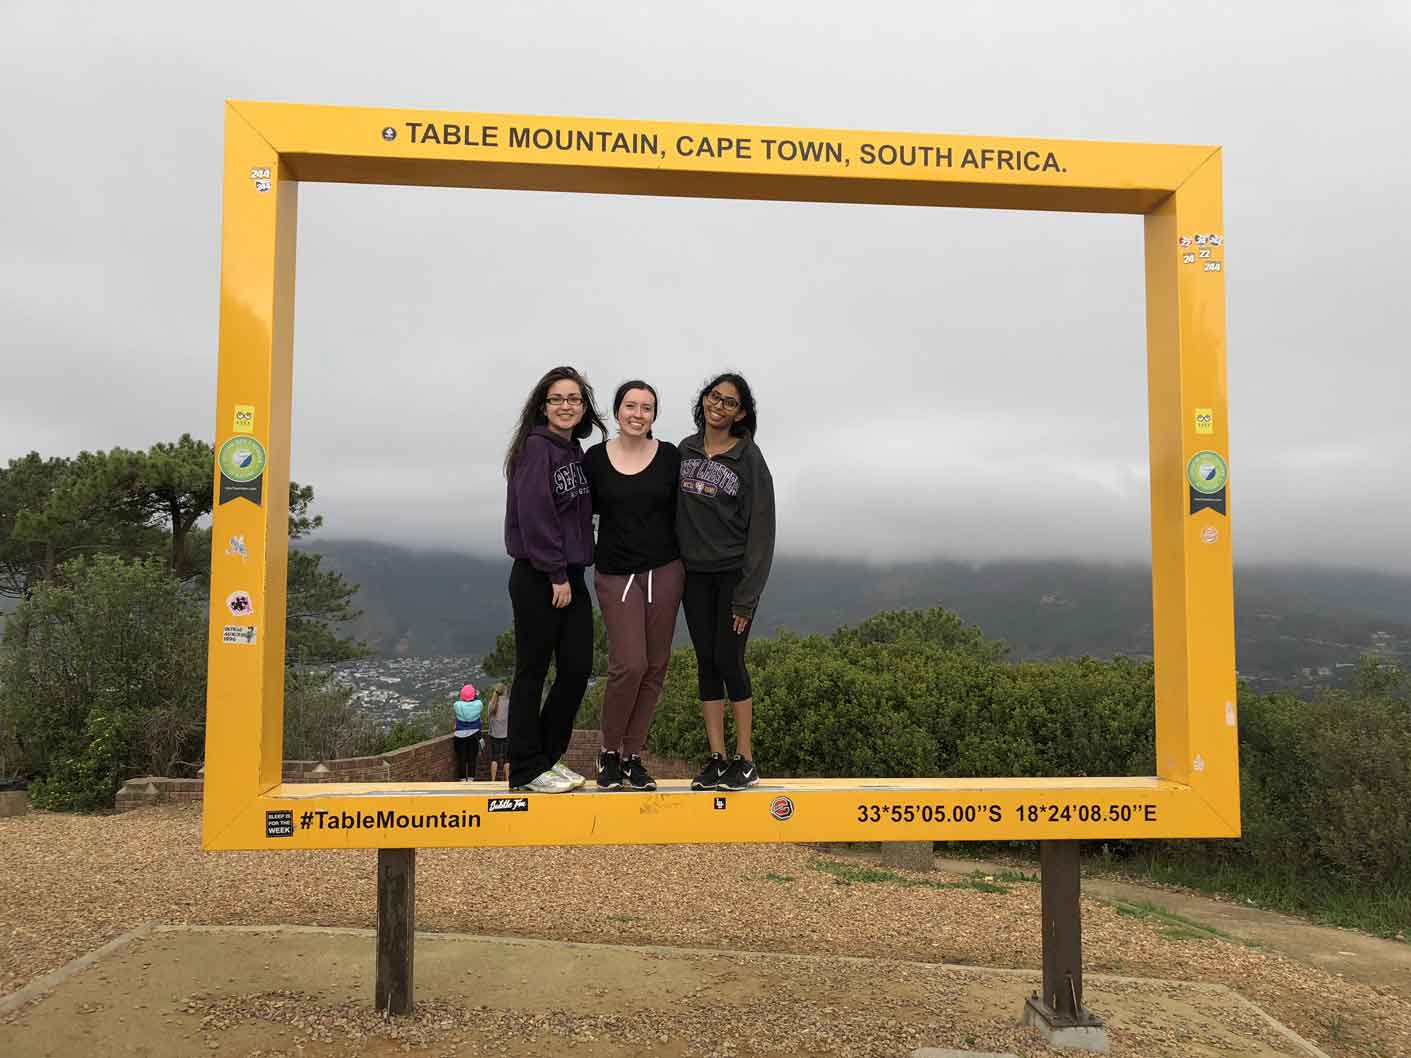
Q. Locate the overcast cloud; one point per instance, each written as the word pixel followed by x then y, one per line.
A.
pixel 931 382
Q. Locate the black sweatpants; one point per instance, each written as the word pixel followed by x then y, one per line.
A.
pixel 720 651
pixel 539 736
pixel 467 756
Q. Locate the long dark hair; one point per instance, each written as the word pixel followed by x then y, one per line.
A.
pixel 636 383
pixel 748 424
pixel 533 414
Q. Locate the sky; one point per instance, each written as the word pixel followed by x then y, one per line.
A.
pixel 931 382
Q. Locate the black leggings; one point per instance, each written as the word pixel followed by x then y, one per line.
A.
pixel 720 651
pixel 467 756
pixel 540 735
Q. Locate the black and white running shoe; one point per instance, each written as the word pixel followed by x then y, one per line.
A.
pixel 609 770
pixel 739 775
pixel 635 775
pixel 709 778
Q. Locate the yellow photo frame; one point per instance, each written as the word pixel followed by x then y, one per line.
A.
pixel 270 148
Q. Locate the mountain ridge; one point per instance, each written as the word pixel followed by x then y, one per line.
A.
pixel 1288 618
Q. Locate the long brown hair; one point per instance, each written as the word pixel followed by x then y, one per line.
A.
pixel 533 414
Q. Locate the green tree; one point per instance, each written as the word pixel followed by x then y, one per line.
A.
pixel 320 720
pixel 98 679
pixel 53 510
pixel 318 600
pixel 174 491
pixel 500 661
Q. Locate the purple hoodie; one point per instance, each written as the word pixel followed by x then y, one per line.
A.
pixel 548 508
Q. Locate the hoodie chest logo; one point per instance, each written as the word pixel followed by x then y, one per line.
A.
pixel 705 477
pixel 570 482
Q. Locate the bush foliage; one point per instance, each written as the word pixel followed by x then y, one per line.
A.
pixel 1326 782
pixel 99 681
pixel 103 662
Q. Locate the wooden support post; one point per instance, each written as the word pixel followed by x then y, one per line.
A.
pixel 1062 914
pixel 1059 1012
pixel 396 929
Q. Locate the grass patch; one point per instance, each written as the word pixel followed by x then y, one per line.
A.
pixel 1005 875
pixel 782 879
pixel 626 920
pixel 1167 923
pixel 1385 911
pixel 856 873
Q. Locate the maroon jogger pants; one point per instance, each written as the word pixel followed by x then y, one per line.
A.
pixel 639 610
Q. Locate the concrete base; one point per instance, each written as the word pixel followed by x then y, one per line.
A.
pixel 13 803
pixel 908 855
pixel 1083 1034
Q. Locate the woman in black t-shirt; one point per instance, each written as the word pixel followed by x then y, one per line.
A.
pixel 639 577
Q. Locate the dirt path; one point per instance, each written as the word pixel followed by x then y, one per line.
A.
pixel 1342 952
pixel 227 992
pixel 68 884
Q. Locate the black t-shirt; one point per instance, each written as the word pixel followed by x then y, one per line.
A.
pixel 636 512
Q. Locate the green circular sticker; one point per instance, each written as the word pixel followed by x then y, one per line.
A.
pixel 1207 472
pixel 242 459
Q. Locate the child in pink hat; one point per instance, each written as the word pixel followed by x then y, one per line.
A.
pixel 467 738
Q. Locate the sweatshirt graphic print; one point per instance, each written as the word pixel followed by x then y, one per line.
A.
pixel 705 477
pixel 549 506
pixel 569 482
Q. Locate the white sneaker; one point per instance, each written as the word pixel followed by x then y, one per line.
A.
pixel 563 771
pixel 549 782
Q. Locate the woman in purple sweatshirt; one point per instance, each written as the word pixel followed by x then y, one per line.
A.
pixel 549 534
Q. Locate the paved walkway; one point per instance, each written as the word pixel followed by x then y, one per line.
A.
pixel 1353 955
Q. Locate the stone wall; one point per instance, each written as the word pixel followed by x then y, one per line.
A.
pixel 431 761
pixel 156 790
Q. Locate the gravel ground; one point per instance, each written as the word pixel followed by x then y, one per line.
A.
pixel 70 883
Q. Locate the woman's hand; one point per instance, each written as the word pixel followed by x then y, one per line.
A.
pixel 740 624
pixel 562 595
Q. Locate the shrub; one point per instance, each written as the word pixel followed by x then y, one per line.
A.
pixel 103 675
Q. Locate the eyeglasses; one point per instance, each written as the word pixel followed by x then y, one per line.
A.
pixel 720 400
pixel 573 400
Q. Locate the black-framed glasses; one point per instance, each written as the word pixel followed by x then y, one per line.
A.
pixel 721 400
pixel 573 400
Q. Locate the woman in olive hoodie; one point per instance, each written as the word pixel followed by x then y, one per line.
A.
pixel 725 526
pixel 549 534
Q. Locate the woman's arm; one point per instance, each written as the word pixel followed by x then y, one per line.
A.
pixel 538 514
pixel 759 541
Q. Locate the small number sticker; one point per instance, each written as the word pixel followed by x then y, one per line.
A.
pixel 1212 266
pixel 259 174
pixel 1187 258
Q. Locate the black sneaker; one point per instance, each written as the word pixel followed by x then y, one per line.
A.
pixel 609 770
pixel 635 775
pixel 709 777
pixel 740 774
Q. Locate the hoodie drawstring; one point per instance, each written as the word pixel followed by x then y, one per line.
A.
pixel 628 587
